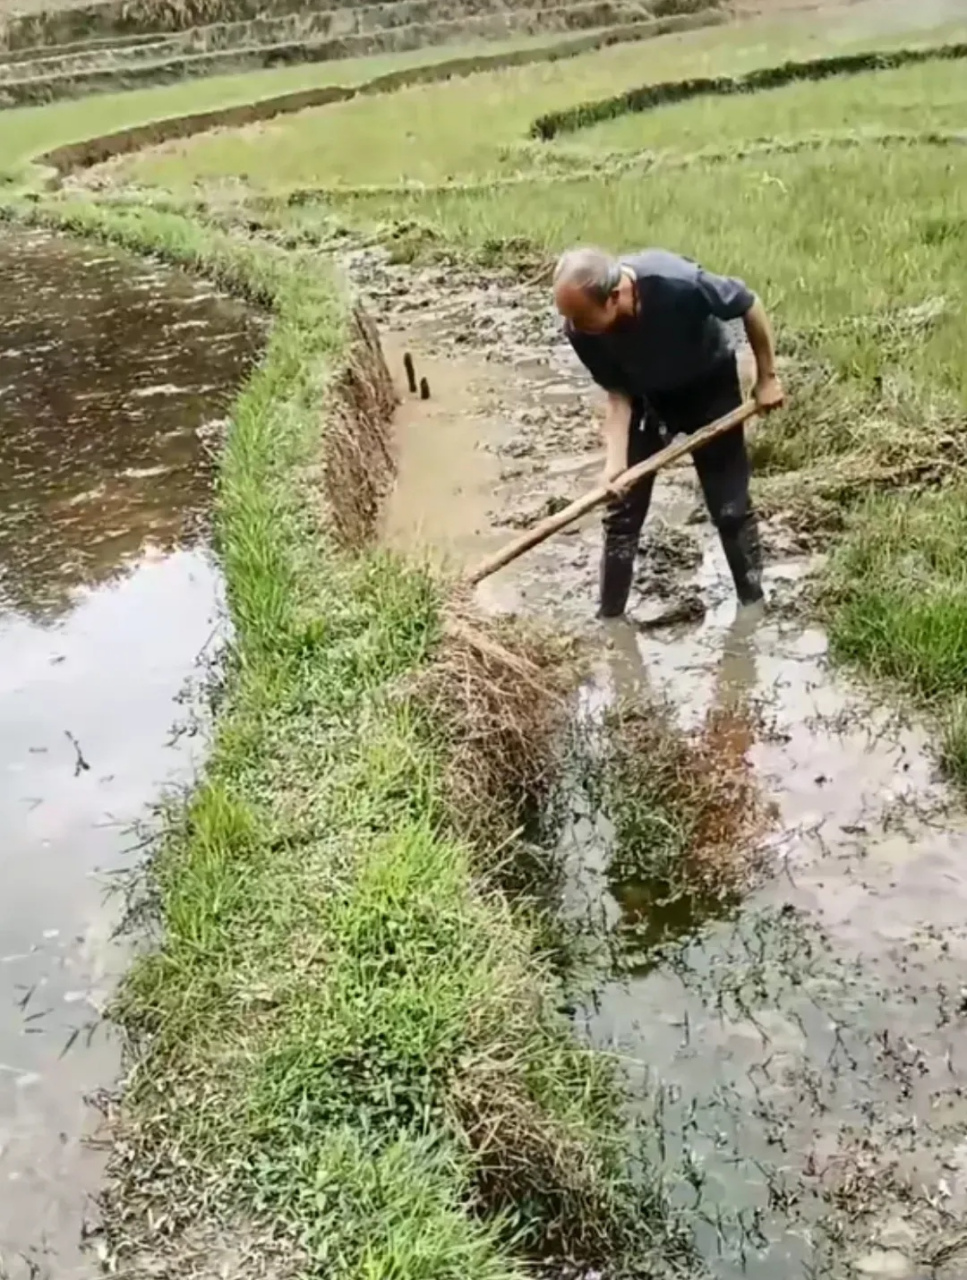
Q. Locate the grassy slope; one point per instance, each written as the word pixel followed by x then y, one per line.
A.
pixel 831 238
pixel 27 131
pixel 426 133
pixel 337 1000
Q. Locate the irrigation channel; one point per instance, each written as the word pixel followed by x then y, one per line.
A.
pixel 797 1062
pixel 115 377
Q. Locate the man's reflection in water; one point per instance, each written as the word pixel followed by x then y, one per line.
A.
pixel 729 722
pixel 629 676
pixel 654 908
pixel 730 711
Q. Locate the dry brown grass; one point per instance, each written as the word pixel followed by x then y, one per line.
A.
pixel 525 1156
pixel 358 466
pixel 496 694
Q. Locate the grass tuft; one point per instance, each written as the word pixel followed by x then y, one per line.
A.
pixel 901 586
pixel 898 602
pixel 494 703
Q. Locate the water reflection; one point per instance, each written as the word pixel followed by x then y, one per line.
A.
pixel 111 375
pixel 108 385
pixel 658 908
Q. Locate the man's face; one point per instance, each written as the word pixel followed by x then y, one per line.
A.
pixel 586 315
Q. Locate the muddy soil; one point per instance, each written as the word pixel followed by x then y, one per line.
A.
pixel 114 380
pixel 798 1066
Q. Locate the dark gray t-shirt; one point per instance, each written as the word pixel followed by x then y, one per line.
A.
pixel 678 335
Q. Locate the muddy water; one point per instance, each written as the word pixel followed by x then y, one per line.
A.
pixel 114 380
pixel 799 1067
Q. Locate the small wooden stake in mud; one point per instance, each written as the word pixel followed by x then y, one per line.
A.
pixel 544 529
pixel 424 389
pixel 410 373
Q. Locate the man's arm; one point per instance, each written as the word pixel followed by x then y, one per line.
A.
pixel 769 394
pixel 617 414
pixel 731 299
pixel 614 432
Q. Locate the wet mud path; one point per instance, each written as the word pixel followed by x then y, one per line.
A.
pixel 800 1063
pixel 114 381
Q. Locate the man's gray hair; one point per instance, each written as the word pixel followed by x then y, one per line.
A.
pixel 591 270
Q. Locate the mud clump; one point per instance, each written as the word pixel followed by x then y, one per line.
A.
pixel 688 609
pixel 523 518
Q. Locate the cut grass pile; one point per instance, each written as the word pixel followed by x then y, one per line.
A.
pixel 345 1050
pixel 685 812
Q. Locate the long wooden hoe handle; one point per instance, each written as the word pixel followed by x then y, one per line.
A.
pixel 544 529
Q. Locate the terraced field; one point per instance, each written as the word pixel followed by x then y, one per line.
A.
pixel 77 51
pixel 703 1016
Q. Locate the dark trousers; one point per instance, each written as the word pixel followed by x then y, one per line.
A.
pixel 723 473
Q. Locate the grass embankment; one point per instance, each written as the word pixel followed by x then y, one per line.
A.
pixel 26 132
pixel 858 251
pixel 32 133
pixel 132 73
pixel 426 133
pixel 345 1050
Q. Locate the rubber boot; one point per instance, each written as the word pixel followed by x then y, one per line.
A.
pixel 743 551
pixel 617 570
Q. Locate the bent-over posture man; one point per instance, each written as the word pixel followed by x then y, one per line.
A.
pixel 649 329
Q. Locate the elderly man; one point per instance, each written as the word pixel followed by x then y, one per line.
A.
pixel 649 329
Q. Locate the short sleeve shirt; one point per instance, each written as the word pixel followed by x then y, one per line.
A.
pixel 678 335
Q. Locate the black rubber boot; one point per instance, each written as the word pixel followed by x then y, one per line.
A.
pixel 617 570
pixel 743 551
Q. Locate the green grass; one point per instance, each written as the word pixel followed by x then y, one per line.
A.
pixel 26 132
pixel 903 581
pixel 344 1039
pixel 930 96
pixel 428 133
pixel 899 583
pixel 823 237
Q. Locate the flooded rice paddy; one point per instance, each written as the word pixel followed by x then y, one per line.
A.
pixel 115 377
pixel 798 1061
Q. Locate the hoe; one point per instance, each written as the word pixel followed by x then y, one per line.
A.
pixel 546 528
